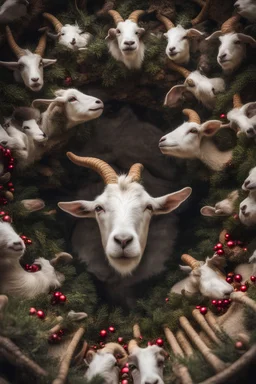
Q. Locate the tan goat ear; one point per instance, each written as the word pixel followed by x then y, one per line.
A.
pixel 209 128
pixel 214 35
pixel 12 65
pixel 192 32
pixel 216 261
pixel 207 211
pixel 246 39
pixel 168 203
pixel 79 208
pixel 250 109
pixel 111 34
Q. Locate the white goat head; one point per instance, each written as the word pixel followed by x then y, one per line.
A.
pixel 247 210
pixel 222 208
pixel 77 106
pixel 232 50
pixel 29 66
pixel 250 182
pixel 146 364
pixel 246 8
pixel 71 36
pixel 203 88
pixel 12 246
pixel 5 139
pixel 123 212
pixel 178 48
pixel 18 141
pixel 243 117
pixel 192 140
pixel 104 363
pixel 29 119
pixel 206 278
pixel 125 41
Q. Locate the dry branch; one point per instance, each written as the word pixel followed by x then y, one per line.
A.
pixel 136 331
pixel 204 325
pixel 242 298
pixel 211 319
pixel 184 343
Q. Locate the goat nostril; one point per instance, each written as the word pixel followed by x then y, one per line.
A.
pixel 243 208
pixel 123 242
pixel 17 243
pixel 162 139
pixel 129 42
pixel 172 49
pixel 73 41
pixel 4 142
pixel 246 183
pixel 35 79
pixel 250 130
pixel 98 102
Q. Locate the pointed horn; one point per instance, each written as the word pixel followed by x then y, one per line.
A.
pixel 167 22
pixel 202 14
pixel 132 345
pixel 56 23
pixel 134 16
pixel 193 117
pixel 135 172
pixel 178 68
pixel 41 45
pixel 229 25
pixel 237 101
pixel 116 16
pixel 107 173
pixel 19 52
pixel 115 348
pixel 189 260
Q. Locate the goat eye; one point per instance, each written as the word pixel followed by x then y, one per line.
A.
pixel 6 125
pixel 39 120
pixel 149 207
pixel 193 130
pixel 184 38
pixel 118 31
pixel 62 34
pixel 71 99
pixel 26 127
pixel 160 363
pixel 21 66
pixel 132 367
pixel 238 42
pixel 213 91
pixel 41 63
pixel 99 209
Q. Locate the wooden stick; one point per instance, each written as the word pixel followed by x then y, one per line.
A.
pixel 184 343
pixel 180 370
pixel 234 368
pixel 203 336
pixel 212 321
pixel 56 327
pixel 213 360
pixel 205 326
pixel 65 362
pixel 242 298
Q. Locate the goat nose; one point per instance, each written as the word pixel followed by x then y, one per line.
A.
pixel 243 208
pixel 131 42
pixel 162 139
pixel 4 142
pixel 152 382
pixel 98 102
pixel 123 242
pixel 223 56
pixel 172 49
pixel 250 131
pixel 246 183
pixel 35 79
pixel 44 135
pixel 73 41
pixel 18 243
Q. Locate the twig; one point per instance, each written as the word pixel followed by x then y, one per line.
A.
pixel 136 331
pixel 242 298
pixel 204 325
pixel 184 343
pixel 211 319
pixel 14 355
pixel 65 362
pixel 80 356
pixel 213 360
pixel 234 368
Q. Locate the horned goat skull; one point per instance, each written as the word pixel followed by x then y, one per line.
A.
pixel 125 41
pixel 29 66
pixel 232 49
pixel 203 88
pixel 70 36
pixel 242 118
pixel 123 212
pixel 192 140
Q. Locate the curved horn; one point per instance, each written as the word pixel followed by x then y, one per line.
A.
pixel 41 45
pixel 19 52
pixel 116 16
pixel 167 22
pixel 229 25
pixel 132 345
pixel 107 173
pixel 178 68
pixel 189 260
pixel 193 117
pixel 115 348
pixel 134 16
pixel 135 171
pixel 136 331
pixel 237 101
pixel 202 14
pixel 56 23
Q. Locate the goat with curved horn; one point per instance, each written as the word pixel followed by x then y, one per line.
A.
pixel 116 16
pixel 135 172
pixel 29 67
pixel 54 21
pixel 135 15
pixel 193 117
pixel 242 118
pixel 190 261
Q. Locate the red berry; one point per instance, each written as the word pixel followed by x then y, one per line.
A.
pixel 103 333
pixel 225 302
pixel 57 295
pixel 219 309
pixel 28 241
pixel 227 236
pixel 23 237
pixel 61 332
pixel 253 278
pixel 239 345
pixel 220 252
pixel 54 338
pixel 41 314
pixel 215 248
pixel 34 268
pixel 229 280
pixel 198 306
pixel 120 340
pixel 220 302
pixel 125 370
pixel 166 299
pixel 7 219
pixel 219 246
pixel 62 298
pixel 159 342
pixel 245 249
pixel 203 310
pixel 230 243
pixel 243 288
pixel 222 116
pixel 214 302
pixel 238 278
pixel 125 382
pixel 32 311
pixel 111 329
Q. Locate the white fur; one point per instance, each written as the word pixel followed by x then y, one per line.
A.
pixel 20 142
pixel 71 36
pixel 250 182
pixel 104 365
pixel 14 279
pixel 222 208
pixel 192 141
pixel 240 121
pixel 131 55
pixel 246 8
pixel 147 365
pixel 247 210
pixel 6 140
pixel 31 128
pixel 124 218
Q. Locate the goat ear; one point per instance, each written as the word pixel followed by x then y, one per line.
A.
pixel 111 34
pixel 208 211
pixel 47 62
pixel 141 31
pixel 214 35
pixel 216 261
pixel 12 65
pixel 36 103
pixel 246 39
pixel 174 95
pixel 185 268
pixel 209 128
pixel 250 109
pixel 168 203
pixel 79 208
pixel 33 205
pixel 194 33
pixel 59 92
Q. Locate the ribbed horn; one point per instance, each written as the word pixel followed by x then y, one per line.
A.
pixel 116 16
pixel 190 261
pixel 55 22
pixel 41 45
pixel 193 117
pixel 115 348
pixel 202 14
pixel 134 16
pixel 178 68
pixel 229 25
pixel 19 52
pixel 132 345
pixel 135 171
pixel 107 173
pixel 167 22
pixel 237 101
